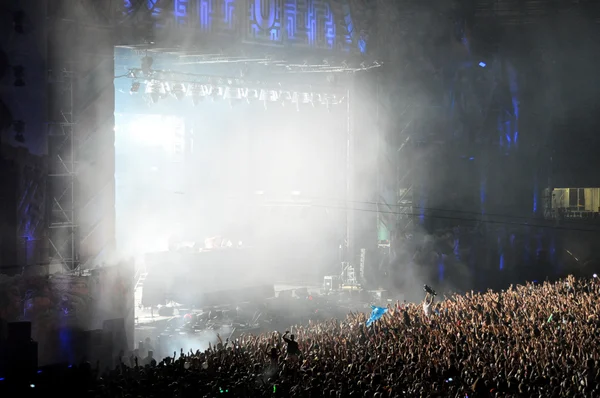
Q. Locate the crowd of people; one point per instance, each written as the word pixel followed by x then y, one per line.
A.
pixel 533 340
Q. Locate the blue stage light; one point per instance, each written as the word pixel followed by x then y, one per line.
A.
pixel 482 64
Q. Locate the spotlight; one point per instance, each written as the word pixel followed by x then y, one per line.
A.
pixel 197 92
pixel 156 90
pixel 178 90
pixel 19 72
pixel 252 95
pixel 285 97
pixel 147 65
pixel 263 95
pixel 217 93
pixel 135 87
pixel 234 95
pixel 273 95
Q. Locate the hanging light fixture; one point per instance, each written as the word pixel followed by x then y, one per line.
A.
pixel 155 89
pixel 177 90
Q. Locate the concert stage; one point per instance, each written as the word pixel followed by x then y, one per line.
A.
pixel 262 159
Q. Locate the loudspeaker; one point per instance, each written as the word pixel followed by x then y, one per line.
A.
pixel 19 332
pixel 22 359
pixel 96 337
pixel 114 330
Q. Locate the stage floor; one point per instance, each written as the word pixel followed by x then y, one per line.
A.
pixel 145 317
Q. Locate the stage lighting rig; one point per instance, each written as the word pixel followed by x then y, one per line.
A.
pixel 198 87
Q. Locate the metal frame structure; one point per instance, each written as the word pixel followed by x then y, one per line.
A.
pixel 62 174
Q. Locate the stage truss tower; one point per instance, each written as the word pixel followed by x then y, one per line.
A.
pixel 80 200
pixel 62 170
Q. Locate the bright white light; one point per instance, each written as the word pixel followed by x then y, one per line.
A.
pixel 595 275
pixel 157 131
pixel 259 192
pixel 296 193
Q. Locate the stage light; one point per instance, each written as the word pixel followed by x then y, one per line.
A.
pixel 252 95
pixel 273 95
pixel 482 64
pixel 234 95
pixel 198 92
pixel 155 90
pixel 19 72
pixel 285 97
pixel 217 93
pixel 177 90
pixel 135 87
pixel 307 98
pixel 263 96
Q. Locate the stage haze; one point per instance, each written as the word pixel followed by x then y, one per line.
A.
pixel 265 175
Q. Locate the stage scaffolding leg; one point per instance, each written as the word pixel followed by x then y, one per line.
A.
pixel 62 171
pixel 349 180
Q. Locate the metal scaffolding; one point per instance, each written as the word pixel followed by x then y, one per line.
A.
pixel 62 172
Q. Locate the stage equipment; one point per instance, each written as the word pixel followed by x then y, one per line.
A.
pixel 222 276
pixel 135 87
pixel 156 90
pixel 348 276
pixel 201 86
pixel 331 283
pixel 363 255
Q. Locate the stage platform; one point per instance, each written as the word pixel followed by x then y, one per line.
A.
pixel 146 318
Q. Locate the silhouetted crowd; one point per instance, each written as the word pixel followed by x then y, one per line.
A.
pixel 537 340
